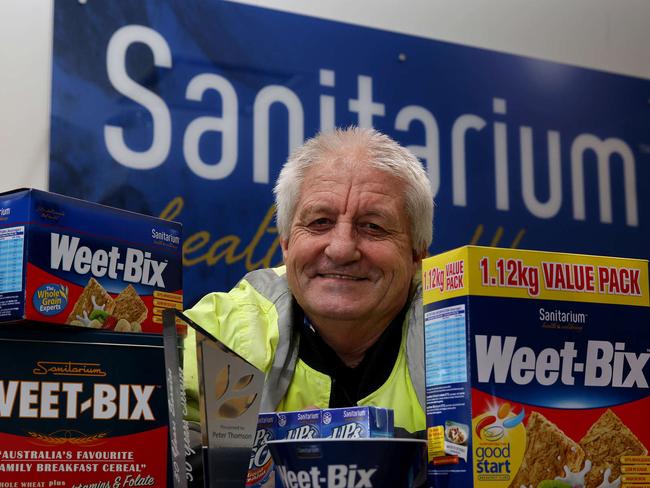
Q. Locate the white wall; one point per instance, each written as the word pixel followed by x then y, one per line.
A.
pixel 610 35
pixel 25 74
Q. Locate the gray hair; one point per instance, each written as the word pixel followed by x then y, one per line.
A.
pixel 358 144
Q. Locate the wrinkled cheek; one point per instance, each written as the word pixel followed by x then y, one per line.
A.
pixel 293 277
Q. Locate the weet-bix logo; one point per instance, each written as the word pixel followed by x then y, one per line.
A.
pixel 604 364
pixel 337 476
pixel 54 400
pixel 137 267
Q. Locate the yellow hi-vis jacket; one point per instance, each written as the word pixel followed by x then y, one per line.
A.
pixel 255 320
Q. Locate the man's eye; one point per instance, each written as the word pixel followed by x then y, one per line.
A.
pixel 322 222
pixel 372 227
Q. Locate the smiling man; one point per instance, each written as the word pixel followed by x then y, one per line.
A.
pixel 340 324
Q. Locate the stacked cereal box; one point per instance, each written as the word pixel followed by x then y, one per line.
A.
pixel 536 369
pixel 82 408
pixel 87 406
pixel 73 262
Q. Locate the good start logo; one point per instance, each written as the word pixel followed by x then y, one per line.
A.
pixel 499 444
pixel 493 425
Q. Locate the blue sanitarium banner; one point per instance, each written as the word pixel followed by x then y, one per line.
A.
pixel 187 109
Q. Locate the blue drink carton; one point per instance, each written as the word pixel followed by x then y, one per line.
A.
pixel 260 470
pixel 356 422
pixel 303 424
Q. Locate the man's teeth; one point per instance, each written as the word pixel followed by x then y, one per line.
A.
pixel 340 277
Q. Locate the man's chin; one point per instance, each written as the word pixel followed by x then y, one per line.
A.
pixel 345 312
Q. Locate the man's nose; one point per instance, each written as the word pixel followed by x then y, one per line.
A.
pixel 343 247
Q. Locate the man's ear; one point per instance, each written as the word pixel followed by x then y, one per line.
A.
pixel 418 256
pixel 284 245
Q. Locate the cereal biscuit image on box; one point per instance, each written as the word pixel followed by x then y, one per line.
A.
pixel 604 443
pixel 93 297
pixel 548 450
pixel 129 306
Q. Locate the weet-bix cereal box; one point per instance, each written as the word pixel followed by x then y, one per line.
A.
pixel 303 424
pixel 537 368
pixel 69 261
pixel 356 423
pixel 82 409
pixel 260 470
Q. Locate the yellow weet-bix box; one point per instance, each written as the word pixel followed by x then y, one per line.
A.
pixel 537 369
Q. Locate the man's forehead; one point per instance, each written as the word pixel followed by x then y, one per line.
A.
pixel 345 193
pixel 365 208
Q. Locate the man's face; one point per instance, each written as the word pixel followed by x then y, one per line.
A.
pixel 349 254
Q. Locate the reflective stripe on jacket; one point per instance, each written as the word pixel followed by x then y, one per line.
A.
pixel 255 320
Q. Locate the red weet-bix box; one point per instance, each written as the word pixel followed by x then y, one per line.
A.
pixel 69 261
pixel 82 409
pixel 537 368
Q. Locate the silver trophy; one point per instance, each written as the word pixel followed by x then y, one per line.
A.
pixel 230 390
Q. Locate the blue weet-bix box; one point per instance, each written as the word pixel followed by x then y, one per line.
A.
pixel 537 368
pixel 356 422
pixel 69 261
pixel 304 424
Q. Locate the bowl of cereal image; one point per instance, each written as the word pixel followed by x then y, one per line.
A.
pixel 456 433
pixel 375 462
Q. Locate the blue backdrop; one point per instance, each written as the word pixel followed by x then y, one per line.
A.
pixel 187 110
